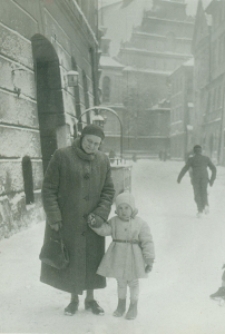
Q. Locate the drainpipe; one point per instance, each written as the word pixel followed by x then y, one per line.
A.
pixel 221 142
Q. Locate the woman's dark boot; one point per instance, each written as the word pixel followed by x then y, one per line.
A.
pixel 121 308
pixel 72 308
pixel 132 311
pixel 94 307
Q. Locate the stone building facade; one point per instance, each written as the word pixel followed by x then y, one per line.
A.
pixel 40 42
pixel 111 89
pixel 157 46
pixel 209 78
pixel 158 123
pixel 182 111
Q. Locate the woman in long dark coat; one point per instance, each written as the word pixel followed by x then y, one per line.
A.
pixel 78 183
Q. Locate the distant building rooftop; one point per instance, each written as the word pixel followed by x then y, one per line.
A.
pixel 146 71
pixel 104 3
pixel 109 62
pixel 189 62
pixel 164 105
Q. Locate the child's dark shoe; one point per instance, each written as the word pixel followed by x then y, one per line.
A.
pixel 121 308
pixel 132 311
pixel 94 307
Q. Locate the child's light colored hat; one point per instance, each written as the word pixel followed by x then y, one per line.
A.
pixel 126 198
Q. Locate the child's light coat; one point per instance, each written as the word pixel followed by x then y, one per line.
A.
pixel 124 259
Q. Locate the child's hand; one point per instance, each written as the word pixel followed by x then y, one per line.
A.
pixel 148 268
pixel 56 226
pixel 95 221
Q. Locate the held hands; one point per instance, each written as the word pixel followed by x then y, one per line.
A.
pixel 91 220
pixel 94 220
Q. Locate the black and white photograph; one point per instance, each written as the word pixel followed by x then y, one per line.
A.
pixel 112 166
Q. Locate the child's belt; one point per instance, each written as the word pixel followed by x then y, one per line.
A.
pixel 136 242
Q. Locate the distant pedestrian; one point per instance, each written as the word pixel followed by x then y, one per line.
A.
pixel 160 155
pixel 200 179
pixel 130 256
pixel 134 157
pixel 78 183
pixel 165 155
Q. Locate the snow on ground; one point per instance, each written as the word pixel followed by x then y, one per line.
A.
pixel 173 300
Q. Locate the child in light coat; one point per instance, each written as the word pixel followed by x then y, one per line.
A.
pixel 130 255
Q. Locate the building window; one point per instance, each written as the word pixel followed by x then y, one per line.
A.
pixel 28 179
pixel 86 95
pixel 106 89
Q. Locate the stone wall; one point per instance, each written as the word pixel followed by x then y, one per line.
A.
pixel 65 40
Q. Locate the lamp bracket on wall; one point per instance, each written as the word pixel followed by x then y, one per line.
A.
pixel 72 78
pixel 15 74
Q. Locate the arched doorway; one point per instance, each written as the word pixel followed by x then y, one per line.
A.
pixel 49 95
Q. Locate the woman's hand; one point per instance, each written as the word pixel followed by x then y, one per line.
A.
pixel 94 220
pixel 91 220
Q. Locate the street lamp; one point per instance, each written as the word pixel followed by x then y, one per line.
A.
pixel 104 120
pixel 72 78
pixel 98 120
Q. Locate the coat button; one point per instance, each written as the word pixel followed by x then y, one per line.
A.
pixel 87 176
pixel 83 234
pixel 85 216
pixel 86 198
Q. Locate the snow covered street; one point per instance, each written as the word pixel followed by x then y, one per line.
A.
pixel 173 300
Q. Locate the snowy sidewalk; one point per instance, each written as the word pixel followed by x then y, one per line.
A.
pixel 175 297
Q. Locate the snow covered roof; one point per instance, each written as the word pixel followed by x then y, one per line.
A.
pixel 148 34
pixel 188 21
pixel 109 62
pixel 146 70
pixel 164 53
pixel 163 104
pixel 105 3
pixel 180 2
pixel 189 62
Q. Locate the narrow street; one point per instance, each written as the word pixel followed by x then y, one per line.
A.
pixel 173 300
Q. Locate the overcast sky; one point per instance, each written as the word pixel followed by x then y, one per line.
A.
pixel 121 29
pixel 192 5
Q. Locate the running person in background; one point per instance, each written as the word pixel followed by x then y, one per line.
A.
pixel 200 179
pixel 220 293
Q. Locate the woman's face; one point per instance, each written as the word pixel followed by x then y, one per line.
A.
pixel 91 143
pixel 124 211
